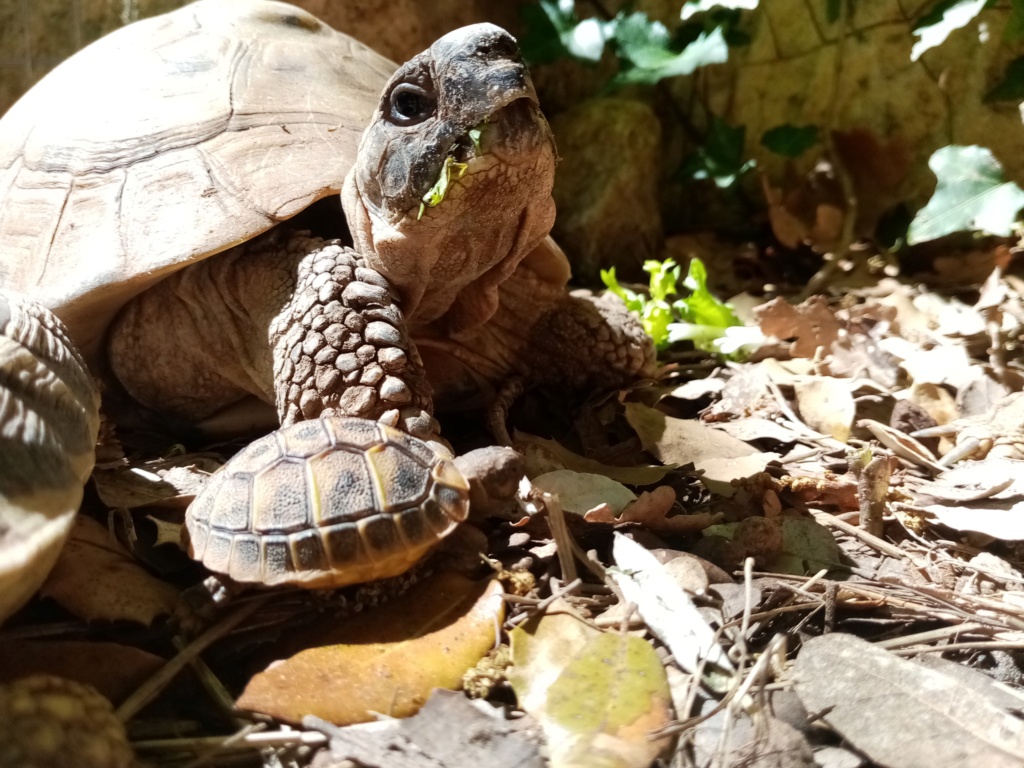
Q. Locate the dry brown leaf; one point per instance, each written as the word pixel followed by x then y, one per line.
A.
pixel 579 492
pixel 939 365
pixel 811 325
pixel 548 455
pixel 985 496
pixel 722 475
pixel 386 661
pixel 650 509
pixel 166 482
pixel 900 713
pixel 682 441
pixel 751 428
pixel 904 446
pixel 112 669
pixel 449 732
pixel 826 405
pixel 96 579
pixel 809 211
pixel 935 400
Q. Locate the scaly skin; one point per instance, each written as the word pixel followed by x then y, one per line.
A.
pixel 303 324
pixel 49 418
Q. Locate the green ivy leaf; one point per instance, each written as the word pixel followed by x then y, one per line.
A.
pixel 790 140
pixel 649 55
pixel 972 194
pixel 721 157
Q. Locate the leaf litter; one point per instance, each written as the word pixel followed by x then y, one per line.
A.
pixel 727 551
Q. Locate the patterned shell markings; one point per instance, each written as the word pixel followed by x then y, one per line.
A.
pixel 325 503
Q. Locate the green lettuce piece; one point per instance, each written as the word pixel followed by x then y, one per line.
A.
pixel 435 195
pixel 700 317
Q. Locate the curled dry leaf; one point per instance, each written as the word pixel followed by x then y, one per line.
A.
pixel 904 446
pixel 983 496
pixel 96 579
pixel 387 660
pixel 597 695
pixel 650 509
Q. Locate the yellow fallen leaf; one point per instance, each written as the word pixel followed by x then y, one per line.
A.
pixel 597 695
pixel 387 660
pixel 96 579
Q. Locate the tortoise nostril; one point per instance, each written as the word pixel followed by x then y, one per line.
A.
pixel 499 47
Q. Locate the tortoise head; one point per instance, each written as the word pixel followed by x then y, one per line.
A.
pixel 452 184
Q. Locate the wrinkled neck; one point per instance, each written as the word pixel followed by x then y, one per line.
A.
pixel 448 262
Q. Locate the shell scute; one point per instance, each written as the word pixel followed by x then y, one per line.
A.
pixel 402 481
pixel 306 439
pixel 280 499
pixel 345 489
pixel 326 503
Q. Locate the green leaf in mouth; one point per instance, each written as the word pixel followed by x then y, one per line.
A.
pixel 450 171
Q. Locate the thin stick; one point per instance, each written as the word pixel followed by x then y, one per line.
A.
pixel 152 687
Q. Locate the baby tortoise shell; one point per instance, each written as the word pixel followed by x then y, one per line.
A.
pixel 325 503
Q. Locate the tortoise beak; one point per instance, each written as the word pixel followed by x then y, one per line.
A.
pixel 480 72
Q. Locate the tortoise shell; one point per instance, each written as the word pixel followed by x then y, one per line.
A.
pixel 170 140
pixel 325 503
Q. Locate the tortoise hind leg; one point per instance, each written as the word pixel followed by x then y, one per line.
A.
pixel 49 419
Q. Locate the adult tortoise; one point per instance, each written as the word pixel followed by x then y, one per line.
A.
pixel 147 192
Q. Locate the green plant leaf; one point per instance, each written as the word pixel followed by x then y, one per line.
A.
pixel 972 194
pixel 435 195
pixel 721 157
pixel 790 140
pixel 648 54
pixel 943 19
pixel 701 318
pixel 553 31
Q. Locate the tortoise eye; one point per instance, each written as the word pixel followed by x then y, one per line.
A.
pixel 410 104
